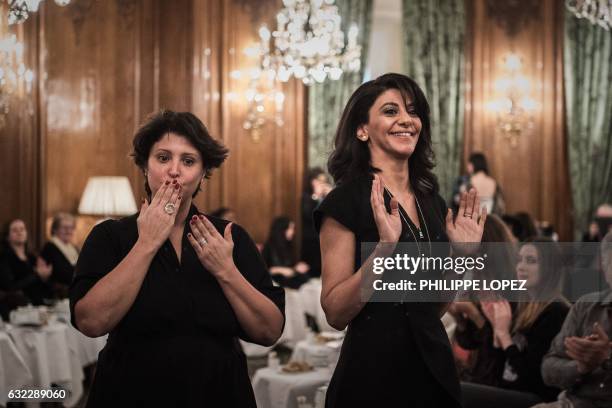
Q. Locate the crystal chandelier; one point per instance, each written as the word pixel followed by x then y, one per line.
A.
pixel 308 43
pixel 596 11
pixel 19 10
pixel 13 72
pixel 513 106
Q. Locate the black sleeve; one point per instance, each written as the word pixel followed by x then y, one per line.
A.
pixel 527 363
pixel 99 256
pixel 8 281
pixel 249 262
pixel 46 253
pixel 342 205
pixel 470 337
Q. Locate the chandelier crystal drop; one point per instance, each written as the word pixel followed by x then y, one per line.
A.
pixel 309 43
pixel 596 11
pixel 19 10
pixel 13 73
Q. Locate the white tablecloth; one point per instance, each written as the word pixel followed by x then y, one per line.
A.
pixel 54 355
pixel 274 389
pixel 310 294
pixel 317 354
pixel 14 373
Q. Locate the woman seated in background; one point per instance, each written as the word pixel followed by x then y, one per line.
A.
pixel 488 189
pixel 474 332
pixel 61 254
pixel 23 276
pixel 279 255
pixel 525 333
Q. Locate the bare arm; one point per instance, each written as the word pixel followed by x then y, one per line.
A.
pixel 258 315
pixel 99 311
pixel 341 296
pixel 105 304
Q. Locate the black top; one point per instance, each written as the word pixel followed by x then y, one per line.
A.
pixel 177 343
pixel 273 257
pixel 486 361
pixel 398 353
pixel 19 275
pixel 63 271
pixel 311 252
pixel 524 358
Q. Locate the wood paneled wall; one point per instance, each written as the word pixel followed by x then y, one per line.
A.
pixel 104 65
pixel 534 174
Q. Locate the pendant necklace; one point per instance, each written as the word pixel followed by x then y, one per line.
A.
pixel 404 218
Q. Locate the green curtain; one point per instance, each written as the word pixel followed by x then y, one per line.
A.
pixel 326 100
pixel 434 32
pixel 587 67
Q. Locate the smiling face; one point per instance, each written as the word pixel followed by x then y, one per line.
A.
pixel 393 127
pixel 528 266
pixel 173 157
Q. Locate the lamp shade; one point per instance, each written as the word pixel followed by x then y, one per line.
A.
pixel 107 196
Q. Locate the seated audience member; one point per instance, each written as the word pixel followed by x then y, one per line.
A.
pixel 61 254
pixel 580 357
pixel 278 255
pixel 525 333
pixel 316 188
pixel 225 213
pixel 474 332
pixel 21 272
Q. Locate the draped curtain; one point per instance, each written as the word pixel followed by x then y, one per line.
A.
pixel 434 33
pixel 588 74
pixel 326 100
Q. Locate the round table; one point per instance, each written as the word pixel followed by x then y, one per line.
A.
pixel 317 354
pixel 276 389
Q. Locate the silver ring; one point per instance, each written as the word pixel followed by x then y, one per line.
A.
pixel 467 215
pixel 202 242
pixel 169 208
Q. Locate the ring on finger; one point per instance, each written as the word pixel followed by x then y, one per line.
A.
pixel 467 215
pixel 169 208
pixel 202 241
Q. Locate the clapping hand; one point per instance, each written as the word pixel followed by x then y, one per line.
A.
pixel 389 225
pixel 213 249
pixel 43 269
pixel 469 224
pixel 590 351
pixel 156 219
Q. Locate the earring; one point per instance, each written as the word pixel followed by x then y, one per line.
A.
pixel 363 137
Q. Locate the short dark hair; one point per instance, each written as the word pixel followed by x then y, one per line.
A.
pixel 351 157
pixel 185 124
pixel 479 161
pixel 310 175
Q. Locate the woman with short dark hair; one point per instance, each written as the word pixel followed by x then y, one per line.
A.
pixel 172 287
pixel 386 193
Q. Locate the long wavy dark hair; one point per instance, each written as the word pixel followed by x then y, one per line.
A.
pixel 278 250
pixel 351 157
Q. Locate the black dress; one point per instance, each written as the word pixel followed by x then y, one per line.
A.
pixel 177 345
pixel 394 354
